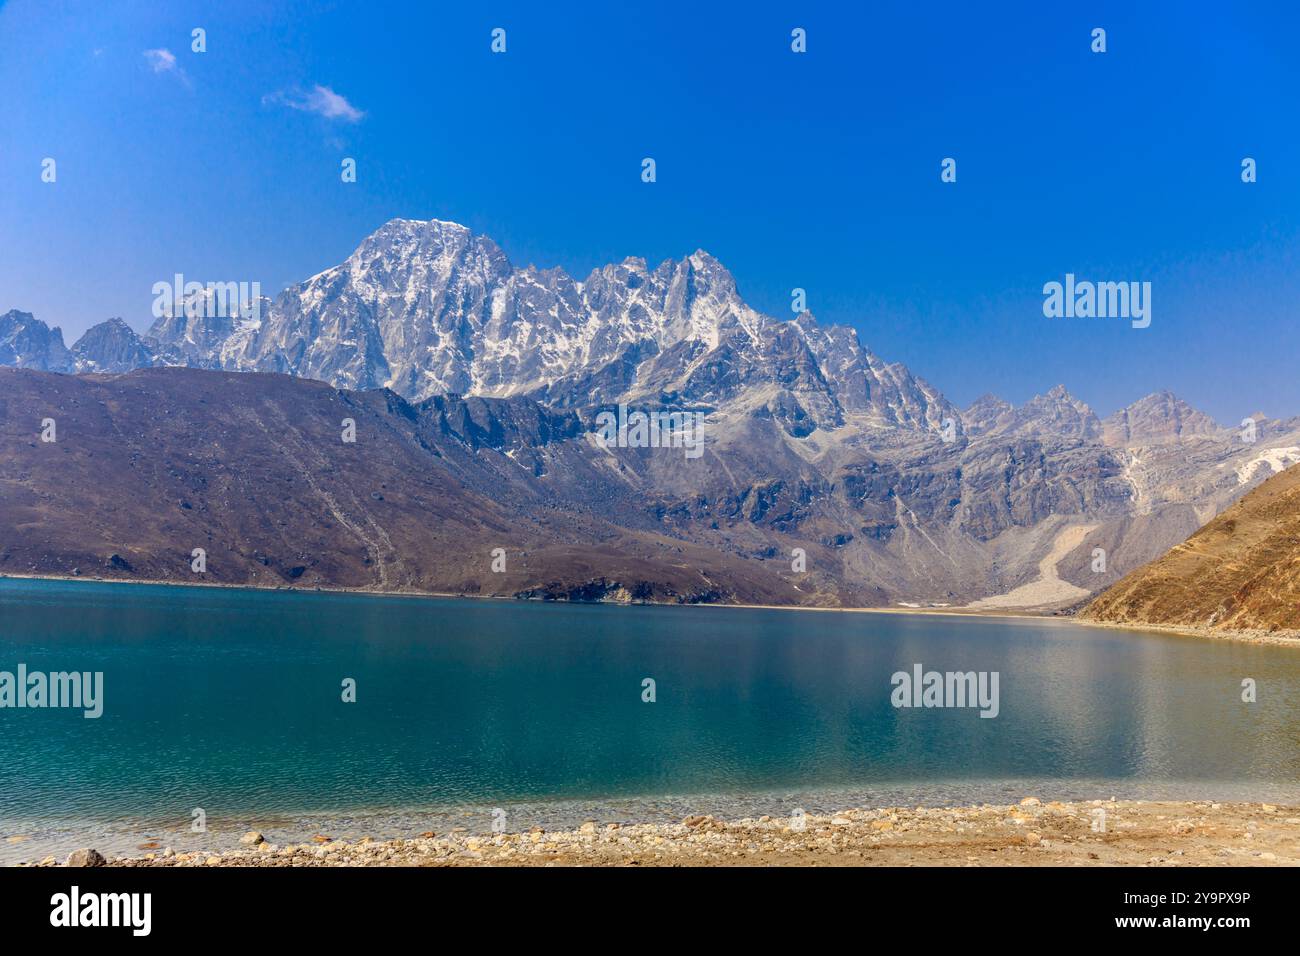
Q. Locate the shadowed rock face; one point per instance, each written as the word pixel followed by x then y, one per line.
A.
pixel 111 346
pixel 1239 572
pixel 27 342
pixel 812 441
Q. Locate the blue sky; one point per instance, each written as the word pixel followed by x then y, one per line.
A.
pixel 818 171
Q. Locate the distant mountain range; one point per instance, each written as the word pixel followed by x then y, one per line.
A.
pixel 892 494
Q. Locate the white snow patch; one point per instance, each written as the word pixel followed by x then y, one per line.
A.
pixel 1277 459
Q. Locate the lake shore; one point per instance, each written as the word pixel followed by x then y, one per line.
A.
pixel 1289 638
pixel 1027 833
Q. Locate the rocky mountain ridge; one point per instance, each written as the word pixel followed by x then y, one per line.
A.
pixel 814 445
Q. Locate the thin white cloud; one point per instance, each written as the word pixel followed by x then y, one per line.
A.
pixel 162 61
pixel 320 100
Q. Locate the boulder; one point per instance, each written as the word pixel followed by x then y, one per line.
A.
pixel 86 858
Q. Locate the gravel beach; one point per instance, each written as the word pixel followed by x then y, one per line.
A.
pixel 1028 833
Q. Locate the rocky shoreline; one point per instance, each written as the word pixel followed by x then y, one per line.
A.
pixel 1280 637
pixel 1029 833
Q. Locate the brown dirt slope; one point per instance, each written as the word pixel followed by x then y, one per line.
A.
pixel 1241 572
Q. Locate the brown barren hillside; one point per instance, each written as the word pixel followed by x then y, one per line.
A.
pixel 148 466
pixel 1241 572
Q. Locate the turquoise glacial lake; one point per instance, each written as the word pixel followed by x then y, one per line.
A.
pixel 231 701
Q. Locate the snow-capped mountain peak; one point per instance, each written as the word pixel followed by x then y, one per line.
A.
pixel 429 307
